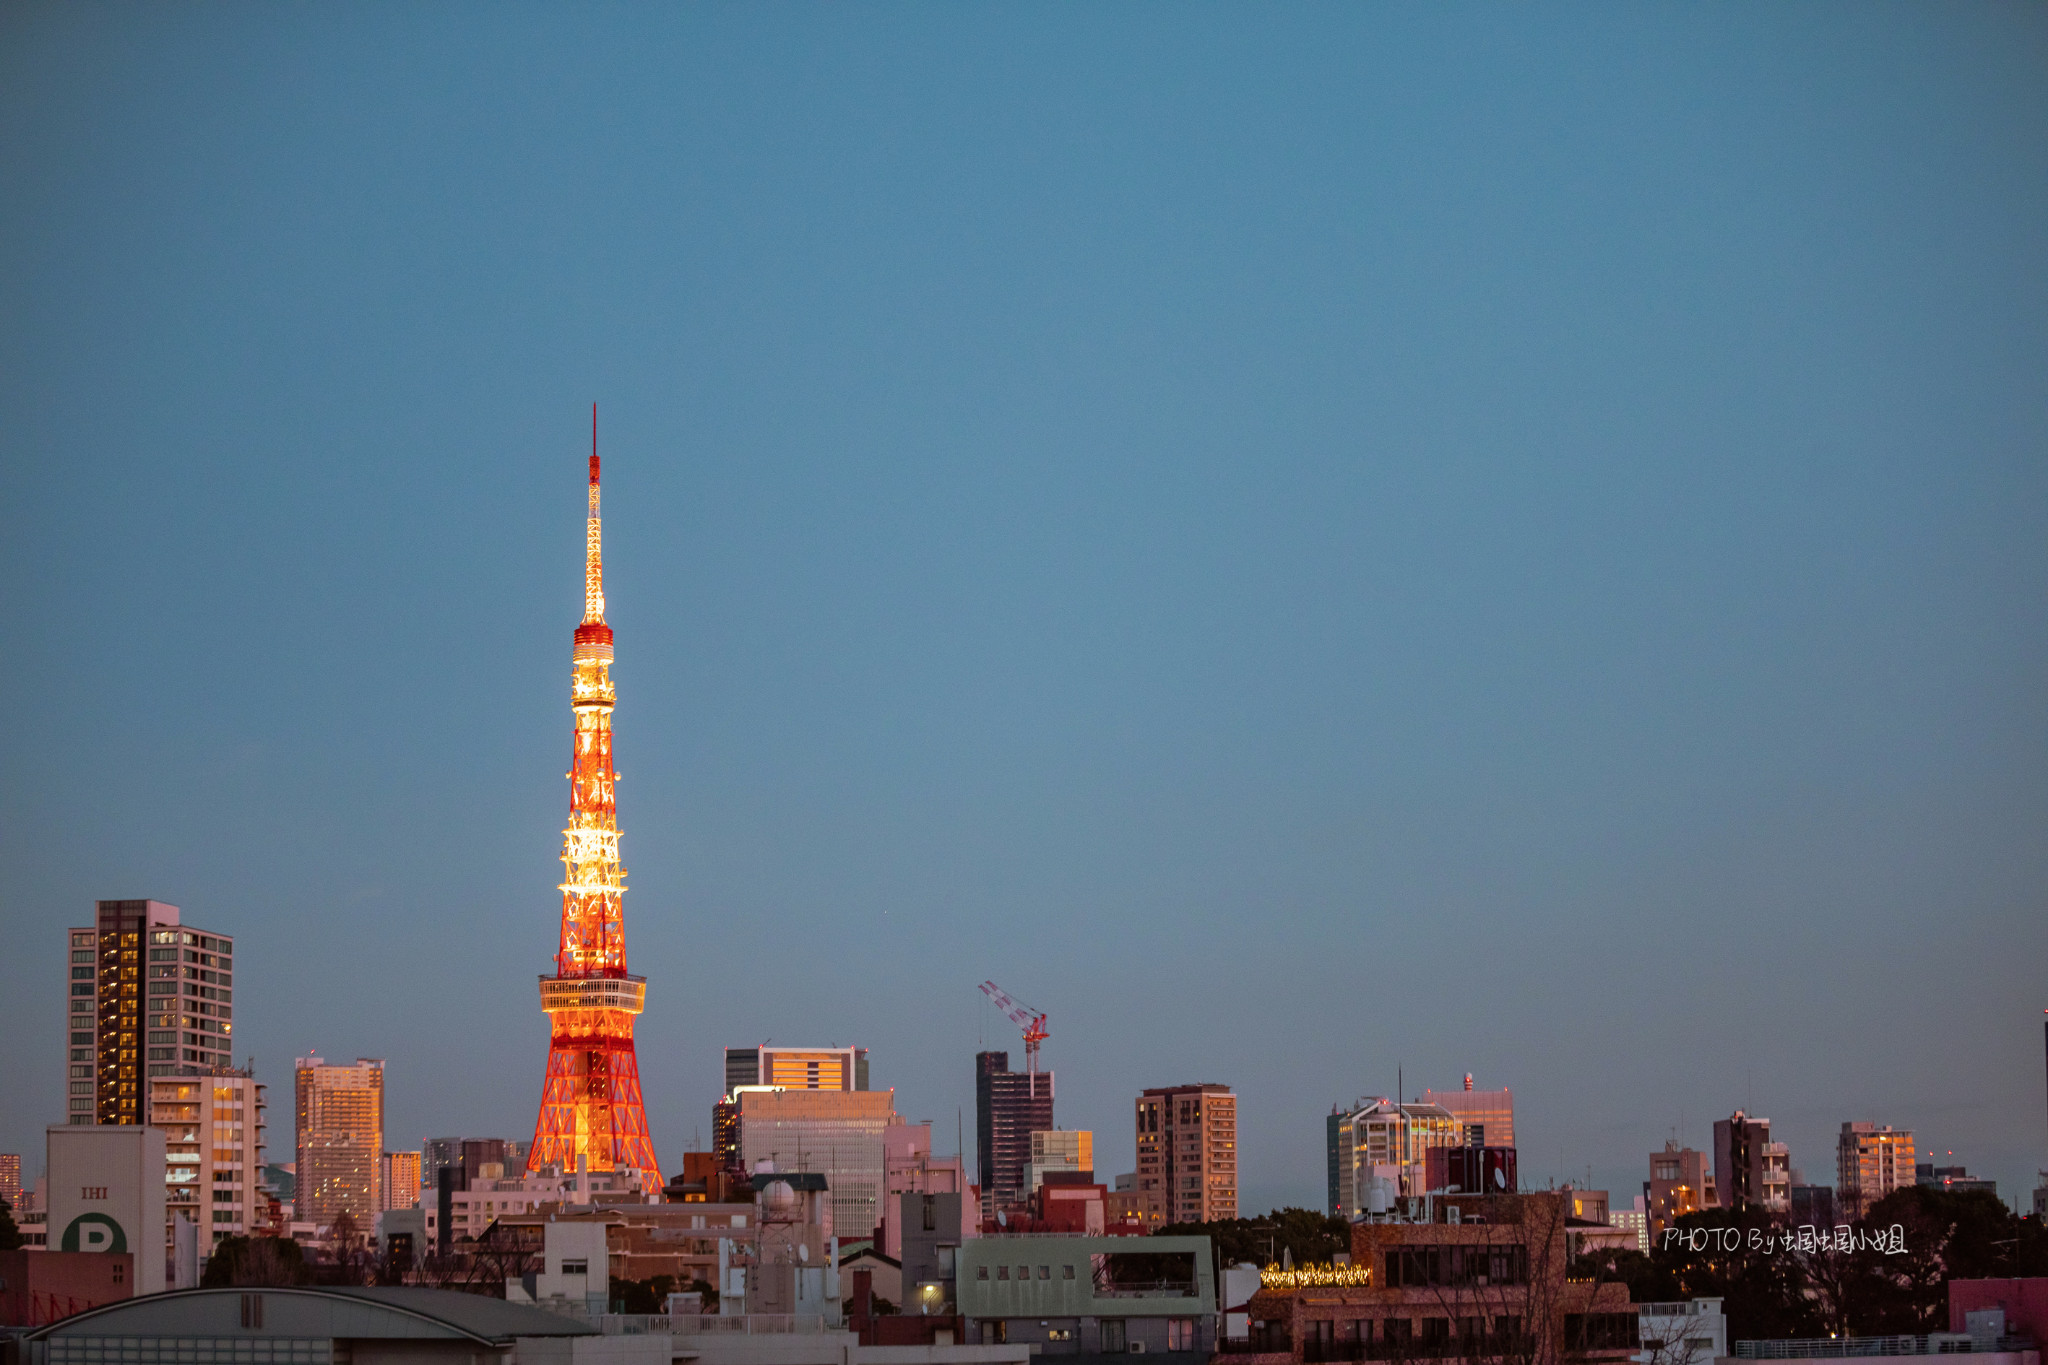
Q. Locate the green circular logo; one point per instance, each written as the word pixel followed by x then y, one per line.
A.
pixel 94 1232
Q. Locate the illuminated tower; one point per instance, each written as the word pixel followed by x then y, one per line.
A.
pixel 590 1104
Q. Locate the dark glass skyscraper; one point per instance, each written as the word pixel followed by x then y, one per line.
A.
pixel 1009 1106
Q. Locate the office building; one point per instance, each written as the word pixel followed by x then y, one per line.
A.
pixel 1009 1106
pixel 1338 1159
pixel 796 1068
pixel 10 1179
pixel 1870 1162
pixel 213 1129
pixel 1389 1144
pixel 339 1113
pixel 1750 1170
pixel 839 1134
pixel 1486 1116
pixel 147 997
pixel 398 1180
pixel 1187 1152
pixel 1062 1149
pixel 1679 1183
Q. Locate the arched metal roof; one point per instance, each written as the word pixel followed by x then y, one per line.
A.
pixel 321 1311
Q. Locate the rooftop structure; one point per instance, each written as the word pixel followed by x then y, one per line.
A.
pixel 796 1068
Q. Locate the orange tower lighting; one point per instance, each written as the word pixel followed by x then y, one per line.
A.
pixel 590 1104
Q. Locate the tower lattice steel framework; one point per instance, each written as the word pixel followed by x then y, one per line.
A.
pixel 590 1104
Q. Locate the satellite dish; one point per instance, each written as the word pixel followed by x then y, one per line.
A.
pixel 1002 1219
pixel 803 1251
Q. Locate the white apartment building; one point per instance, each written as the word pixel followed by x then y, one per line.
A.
pixel 213 1153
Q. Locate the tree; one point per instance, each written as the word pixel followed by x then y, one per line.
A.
pixel 1730 1254
pixel 10 1235
pixel 1306 1236
pixel 250 1262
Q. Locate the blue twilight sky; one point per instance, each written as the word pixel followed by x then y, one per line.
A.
pixel 1302 540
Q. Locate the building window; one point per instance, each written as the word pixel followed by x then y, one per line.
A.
pixel 575 1267
pixel 1002 1272
pixel 1066 1272
pixel 1180 1334
pixel 1112 1335
pixel 981 1272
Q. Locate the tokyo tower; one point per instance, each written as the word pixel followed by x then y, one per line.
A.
pixel 590 1104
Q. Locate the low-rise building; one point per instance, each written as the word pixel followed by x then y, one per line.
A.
pixel 324 1326
pixel 1069 1150
pixel 1690 1332
pixel 39 1287
pixel 1088 1295
pixel 1954 1179
pixel 1484 1278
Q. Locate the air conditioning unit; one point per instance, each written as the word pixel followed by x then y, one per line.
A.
pixel 1137 1348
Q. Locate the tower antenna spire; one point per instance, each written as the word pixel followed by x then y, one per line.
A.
pixel 593 541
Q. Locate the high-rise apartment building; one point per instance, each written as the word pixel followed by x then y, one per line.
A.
pixel 1486 1117
pixel 1679 1183
pixel 1187 1152
pixel 10 1179
pixel 339 1114
pixel 1062 1149
pixel 147 997
pixel 213 1152
pixel 1750 1170
pixel 837 1133
pixel 1009 1106
pixel 1870 1162
pixel 797 1068
pixel 398 1179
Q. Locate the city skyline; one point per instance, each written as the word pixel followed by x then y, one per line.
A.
pixel 1202 527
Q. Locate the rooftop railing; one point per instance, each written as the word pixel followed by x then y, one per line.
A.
pixel 1842 1348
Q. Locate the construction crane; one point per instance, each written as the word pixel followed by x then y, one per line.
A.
pixel 1023 1016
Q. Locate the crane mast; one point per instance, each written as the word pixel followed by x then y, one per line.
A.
pixel 1024 1017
